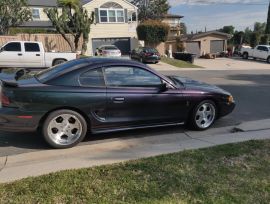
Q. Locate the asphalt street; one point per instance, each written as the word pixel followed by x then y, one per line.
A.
pixel 249 87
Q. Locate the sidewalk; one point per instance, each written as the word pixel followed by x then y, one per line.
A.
pixel 43 162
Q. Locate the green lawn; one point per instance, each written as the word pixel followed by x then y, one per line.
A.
pixel 238 173
pixel 178 63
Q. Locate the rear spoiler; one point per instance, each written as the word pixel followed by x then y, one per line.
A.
pixel 13 83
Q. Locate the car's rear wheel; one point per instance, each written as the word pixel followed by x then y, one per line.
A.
pixel 245 55
pixel 204 115
pixel 64 129
pixel 59 61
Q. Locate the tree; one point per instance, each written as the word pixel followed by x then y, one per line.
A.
pixel 13 13
pixel 238 37
pixel 153 32
pixel 264 39
pixel 267 29
pixel 72 19
pixel 183 28
pixel 227 29
pixel 259 27
pixel 254 39
pixel 151 9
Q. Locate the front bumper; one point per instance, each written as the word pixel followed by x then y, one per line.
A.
pixel 15 120
pixel 152 59
pixel 226 109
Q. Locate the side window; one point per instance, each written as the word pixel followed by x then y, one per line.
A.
pixel 92 78
pixel 31 47
pixel 13 47
pixel 130 77
pixel 260 48
pixel 265 49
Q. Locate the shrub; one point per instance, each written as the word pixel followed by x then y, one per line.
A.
pixel 153 32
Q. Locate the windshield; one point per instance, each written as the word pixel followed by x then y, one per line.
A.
pixel 47 74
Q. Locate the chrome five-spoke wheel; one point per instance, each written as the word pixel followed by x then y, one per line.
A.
pixel 204 115
pixel 64 128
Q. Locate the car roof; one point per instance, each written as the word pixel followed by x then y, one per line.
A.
pixel 93 62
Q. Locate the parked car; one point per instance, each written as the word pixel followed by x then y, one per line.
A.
pixel 104 95
pixel 259 52
pixel 145 54
pixel 31 55
pixel 108 51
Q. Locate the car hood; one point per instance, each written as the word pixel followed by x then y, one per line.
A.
pixel 191 84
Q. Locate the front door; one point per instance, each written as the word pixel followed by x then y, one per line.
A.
pixel 11 55
pixel 134 98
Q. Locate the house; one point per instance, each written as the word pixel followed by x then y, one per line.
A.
pixel 115 22
pixel 205 42
pixel 174 21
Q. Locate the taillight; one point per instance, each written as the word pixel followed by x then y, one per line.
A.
pixel 4 100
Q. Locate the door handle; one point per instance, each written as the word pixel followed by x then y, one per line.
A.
pixel 19 54
pixel 118 100
pixel 38 55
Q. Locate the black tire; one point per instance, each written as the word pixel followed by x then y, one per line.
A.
pixel 268 60
pixel 59 61
pixel 82 130
pixel 245 55
pixel 192 124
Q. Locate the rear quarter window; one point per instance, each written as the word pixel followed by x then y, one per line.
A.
pixel 92 78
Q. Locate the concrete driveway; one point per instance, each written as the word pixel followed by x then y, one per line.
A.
pixel 236 63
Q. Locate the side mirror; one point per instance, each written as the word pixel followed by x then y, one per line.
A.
pixel 163 87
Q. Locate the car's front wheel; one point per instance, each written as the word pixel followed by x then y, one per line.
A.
pixel 64 129
pixel 203 115
pixel 268 60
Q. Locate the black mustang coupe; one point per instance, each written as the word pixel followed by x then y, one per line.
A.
pixel 104 95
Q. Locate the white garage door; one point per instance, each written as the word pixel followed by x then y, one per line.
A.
pixel 194 48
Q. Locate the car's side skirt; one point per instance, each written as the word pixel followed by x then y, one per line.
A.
pixel 134 128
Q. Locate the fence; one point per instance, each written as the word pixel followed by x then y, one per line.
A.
pixel 51 42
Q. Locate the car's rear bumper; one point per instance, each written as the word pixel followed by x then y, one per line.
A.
pixel 226 109
pixel 15 120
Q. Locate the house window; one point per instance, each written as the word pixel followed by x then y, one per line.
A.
pixel 35 14
pixel 132 16
pixel 111 12
pixel 111 15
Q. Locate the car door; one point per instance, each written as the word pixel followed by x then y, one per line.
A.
pixel 134 98
pixel 258 53
pixel 11 55
pixel 93 86
pixel 265 53
pixel 32 55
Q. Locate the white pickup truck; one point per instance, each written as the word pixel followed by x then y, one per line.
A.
pixel 28 54
pixel 259 52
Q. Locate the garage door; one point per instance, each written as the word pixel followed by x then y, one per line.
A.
pixel 216 46
pixel 194 48
pixel 122 43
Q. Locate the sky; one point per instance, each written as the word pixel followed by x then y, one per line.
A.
pixel 214 14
